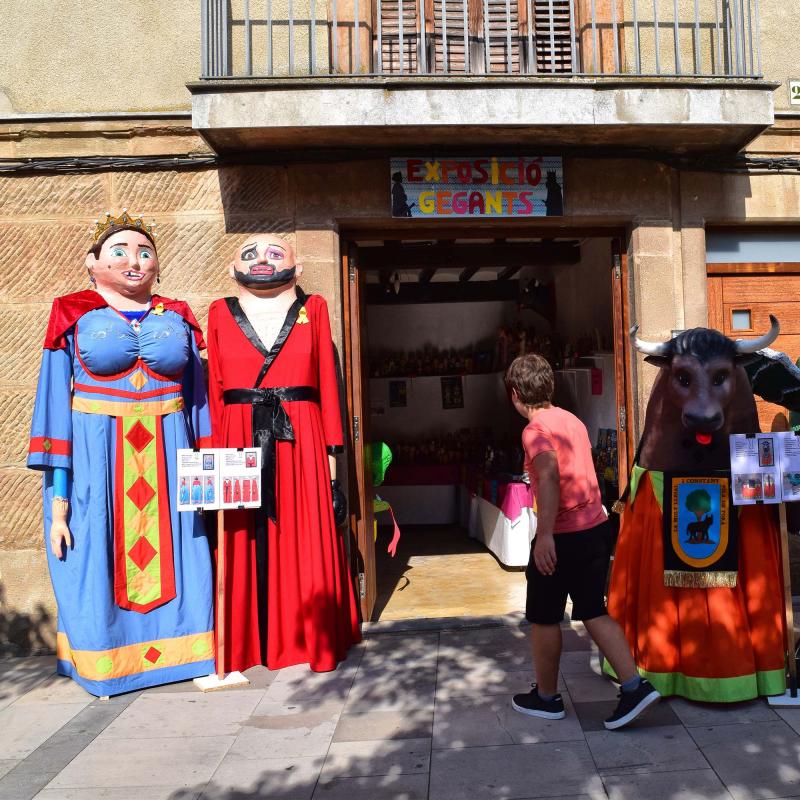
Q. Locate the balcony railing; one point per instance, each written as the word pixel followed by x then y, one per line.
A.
pixel 667 38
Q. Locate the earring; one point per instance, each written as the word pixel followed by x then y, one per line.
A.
pixel 92 282
pixel 158 279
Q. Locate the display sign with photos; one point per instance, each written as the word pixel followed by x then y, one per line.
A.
pixel 219 478
pixel 765 467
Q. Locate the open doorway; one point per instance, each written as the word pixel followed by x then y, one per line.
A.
pixel 432 326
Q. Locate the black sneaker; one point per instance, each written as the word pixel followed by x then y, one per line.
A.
pixel 632 704
pixel 533 705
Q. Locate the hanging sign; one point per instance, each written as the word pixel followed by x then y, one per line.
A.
pixel 493 186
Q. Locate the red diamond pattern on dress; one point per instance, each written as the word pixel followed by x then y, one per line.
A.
pixel 141 493
pixel 139 436
pixel 152 655
pixel 142 552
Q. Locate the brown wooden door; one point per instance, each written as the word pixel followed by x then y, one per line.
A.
pixel 356 380
pixel 622 359
pixel 739 305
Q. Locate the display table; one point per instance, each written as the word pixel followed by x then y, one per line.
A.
pixel 502 518
pixel 507 528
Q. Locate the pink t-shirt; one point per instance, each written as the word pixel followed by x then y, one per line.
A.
pixel 556 430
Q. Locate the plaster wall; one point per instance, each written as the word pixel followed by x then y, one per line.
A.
pixel 583 293
pixel 114 55
pixel 79 56
pixel 202 214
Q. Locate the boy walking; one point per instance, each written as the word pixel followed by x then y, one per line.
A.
pixel 570 554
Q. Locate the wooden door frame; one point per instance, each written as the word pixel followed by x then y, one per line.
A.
pixel 623 359
pixel 363 557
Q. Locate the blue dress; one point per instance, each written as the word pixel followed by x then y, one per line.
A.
pixel 134 591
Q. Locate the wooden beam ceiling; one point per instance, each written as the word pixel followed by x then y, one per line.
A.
pixel 467 256
pixel 509 272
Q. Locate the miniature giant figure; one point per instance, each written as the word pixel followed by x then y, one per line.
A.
pixel 132 576
pixel 714 637
pixel 272 383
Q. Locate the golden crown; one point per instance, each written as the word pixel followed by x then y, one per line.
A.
pixel 108 220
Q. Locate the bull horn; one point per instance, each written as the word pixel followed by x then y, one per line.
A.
pixel 648 348
pixel 752 345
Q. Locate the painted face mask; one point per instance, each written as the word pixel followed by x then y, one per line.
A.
pixel 127 264
pixel 264 264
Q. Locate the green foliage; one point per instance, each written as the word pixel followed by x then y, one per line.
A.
pixel 698 502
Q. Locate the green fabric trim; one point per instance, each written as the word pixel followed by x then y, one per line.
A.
pixel 656 479
pixel 714 690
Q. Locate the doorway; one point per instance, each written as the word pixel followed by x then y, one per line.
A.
pixel 431 325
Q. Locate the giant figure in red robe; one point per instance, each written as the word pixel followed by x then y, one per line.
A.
pixel 272 381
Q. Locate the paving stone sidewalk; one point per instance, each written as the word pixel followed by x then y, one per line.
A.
pixel 410 715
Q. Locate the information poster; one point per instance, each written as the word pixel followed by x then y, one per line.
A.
pixel 765 467
pixel 219 478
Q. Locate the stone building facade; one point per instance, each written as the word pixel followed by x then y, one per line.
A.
pixel 250 160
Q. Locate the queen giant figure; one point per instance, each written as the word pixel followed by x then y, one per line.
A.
pixel 120 390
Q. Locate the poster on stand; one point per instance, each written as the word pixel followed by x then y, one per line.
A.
pixel 765 467
pixel 197 479
pixel 789 454
pixel 240 478
pixel 218 478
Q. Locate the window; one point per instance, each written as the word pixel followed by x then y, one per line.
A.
pixel 742 319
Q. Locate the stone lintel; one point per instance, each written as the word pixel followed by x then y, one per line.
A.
pixel 673 117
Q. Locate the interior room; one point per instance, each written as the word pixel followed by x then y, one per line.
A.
pixel 444 320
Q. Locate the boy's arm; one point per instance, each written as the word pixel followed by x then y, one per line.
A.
pixel 548 495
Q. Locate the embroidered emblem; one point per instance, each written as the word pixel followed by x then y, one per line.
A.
pixel 159 309
pixel 302 316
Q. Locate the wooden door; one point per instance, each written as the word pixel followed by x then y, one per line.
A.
pixel 622 359
pixel 361 491
pixel 739 305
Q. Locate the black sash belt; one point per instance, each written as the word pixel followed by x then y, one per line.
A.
pixel 271 423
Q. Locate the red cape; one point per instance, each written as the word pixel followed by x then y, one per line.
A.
pixel 67 310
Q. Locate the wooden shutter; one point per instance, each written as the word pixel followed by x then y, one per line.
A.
pixel 390 36
pixel 508 39
pixel 552 36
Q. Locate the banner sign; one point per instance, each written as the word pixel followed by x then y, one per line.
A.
pixel 506 186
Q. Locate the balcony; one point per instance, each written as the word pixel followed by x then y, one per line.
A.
pixel 676 76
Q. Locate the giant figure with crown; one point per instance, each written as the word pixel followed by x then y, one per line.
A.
pixel 120 390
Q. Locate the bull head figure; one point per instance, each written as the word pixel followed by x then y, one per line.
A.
pixel 701 395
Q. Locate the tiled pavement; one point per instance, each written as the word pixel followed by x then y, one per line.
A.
pixel 409 715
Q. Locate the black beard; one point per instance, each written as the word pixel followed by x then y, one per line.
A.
pixel 278 278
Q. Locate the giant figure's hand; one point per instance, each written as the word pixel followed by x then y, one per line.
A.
pixel 60 537
pixel 339 503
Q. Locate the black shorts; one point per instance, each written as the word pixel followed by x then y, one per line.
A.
pixel 582 560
